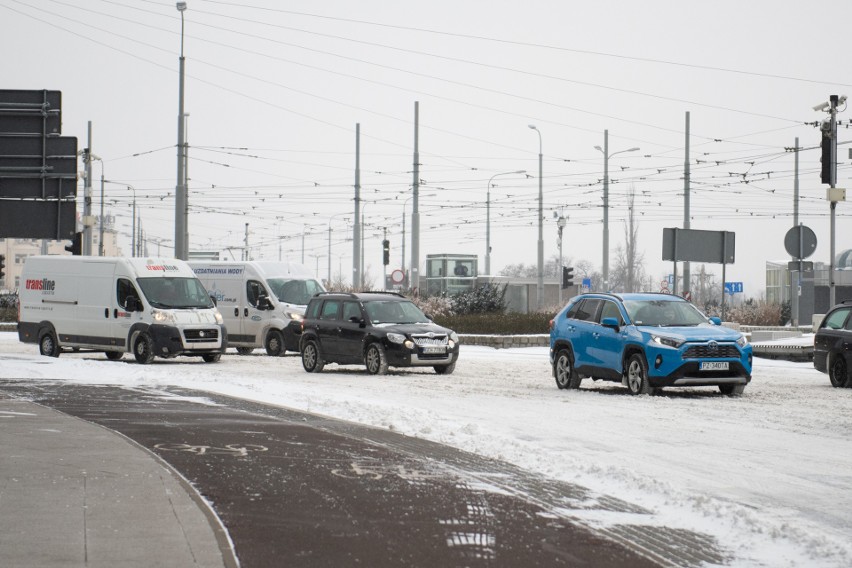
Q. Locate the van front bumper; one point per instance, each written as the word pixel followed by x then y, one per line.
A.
pixel 170 341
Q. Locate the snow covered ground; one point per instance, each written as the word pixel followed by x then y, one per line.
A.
pixel 768 474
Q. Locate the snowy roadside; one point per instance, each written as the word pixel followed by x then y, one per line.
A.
pixel 767 474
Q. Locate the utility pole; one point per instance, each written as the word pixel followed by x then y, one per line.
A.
pixel 246 246
pixel 415 209
pixel 181 231
pixel 87 199
pixel 833 99
pixel 357 244
pixel 686 275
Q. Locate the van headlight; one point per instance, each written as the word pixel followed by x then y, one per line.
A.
pixel 667 341
pixel 219 319
pixel 742 341
pixel 163 316
pixel 295 316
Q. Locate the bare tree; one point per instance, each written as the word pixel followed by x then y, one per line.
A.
pixel 629 271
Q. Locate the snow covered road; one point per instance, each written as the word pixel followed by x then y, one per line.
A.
pixel 769 474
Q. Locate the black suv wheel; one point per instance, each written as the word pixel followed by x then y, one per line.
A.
pixel 311 357
pixel 376 359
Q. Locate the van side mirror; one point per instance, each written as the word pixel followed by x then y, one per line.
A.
pixel 132 304
pixel 213 299
pixel 263 302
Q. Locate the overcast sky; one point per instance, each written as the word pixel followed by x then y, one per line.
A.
pixel 275 88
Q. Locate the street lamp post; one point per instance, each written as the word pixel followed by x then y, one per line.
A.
pixel 607 156
pixel 488 219
pixel 133 224
pixel 539 302
pixel 181 221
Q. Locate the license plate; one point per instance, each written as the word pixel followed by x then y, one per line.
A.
pixel 434 350
pixel 713 366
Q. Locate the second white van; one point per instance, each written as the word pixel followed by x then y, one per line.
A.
pixel 263 303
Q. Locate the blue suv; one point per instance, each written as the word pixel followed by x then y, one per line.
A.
pixel 646 342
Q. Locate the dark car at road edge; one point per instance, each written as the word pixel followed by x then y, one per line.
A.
pixel 375 329
pixel 833 345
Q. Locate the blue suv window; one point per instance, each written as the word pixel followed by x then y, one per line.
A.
pixel 588 309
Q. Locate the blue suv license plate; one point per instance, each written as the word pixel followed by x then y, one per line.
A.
pixel 713 366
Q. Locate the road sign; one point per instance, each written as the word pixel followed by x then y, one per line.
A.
pixel 732 288
pixel 397 276
pixel 800 240
pixel 699 246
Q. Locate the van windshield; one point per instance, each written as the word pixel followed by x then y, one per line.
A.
pixel 297 291
pixel 175 293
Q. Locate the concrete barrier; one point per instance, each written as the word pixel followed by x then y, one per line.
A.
pixel 505 341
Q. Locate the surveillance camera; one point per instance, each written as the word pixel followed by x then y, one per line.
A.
pixel 822 106
pixel 842 99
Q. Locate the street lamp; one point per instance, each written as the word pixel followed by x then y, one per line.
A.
pixel 539 302
pixel 181 220
pixel 607 156
pixel 488 219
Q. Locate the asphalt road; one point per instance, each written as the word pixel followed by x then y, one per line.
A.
pixel 298 489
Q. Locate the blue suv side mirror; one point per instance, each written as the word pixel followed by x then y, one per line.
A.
pixel 716 320
pixel 610 322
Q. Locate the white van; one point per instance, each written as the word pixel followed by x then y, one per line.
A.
pixel 263 303
pixel 152 307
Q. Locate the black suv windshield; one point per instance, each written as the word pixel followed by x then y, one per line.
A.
pixel 391 311
pixel 665 313
pixel 294 291
pixel 175 292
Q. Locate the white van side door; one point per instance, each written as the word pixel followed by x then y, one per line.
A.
pixel 254 316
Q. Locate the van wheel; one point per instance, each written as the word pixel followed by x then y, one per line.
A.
pixel 376 359
pixel 245 350
pixel 48 345
pixel 637 376
pixel 143 349
pixel 114 355
pixel 311 357
pixel 211 357
pixel 275 343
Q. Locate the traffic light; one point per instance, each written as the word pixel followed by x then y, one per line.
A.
pixel 2 266
pixel 567 276
pixel 825 156
pixel 76 246
pixel 386 252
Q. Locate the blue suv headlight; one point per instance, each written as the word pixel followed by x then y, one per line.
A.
pixel 742 341
pixel 667 341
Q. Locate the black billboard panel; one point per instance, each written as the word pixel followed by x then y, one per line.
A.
pixel 26 156
pixel 55 220
pixel 38 188
pixel 30 112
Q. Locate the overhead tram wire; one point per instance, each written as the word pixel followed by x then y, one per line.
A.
pixel 536 45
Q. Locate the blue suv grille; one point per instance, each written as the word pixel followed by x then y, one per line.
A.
pixel 712 352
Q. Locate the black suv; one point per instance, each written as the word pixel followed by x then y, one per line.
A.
pixel 376 329
pixel 833 345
